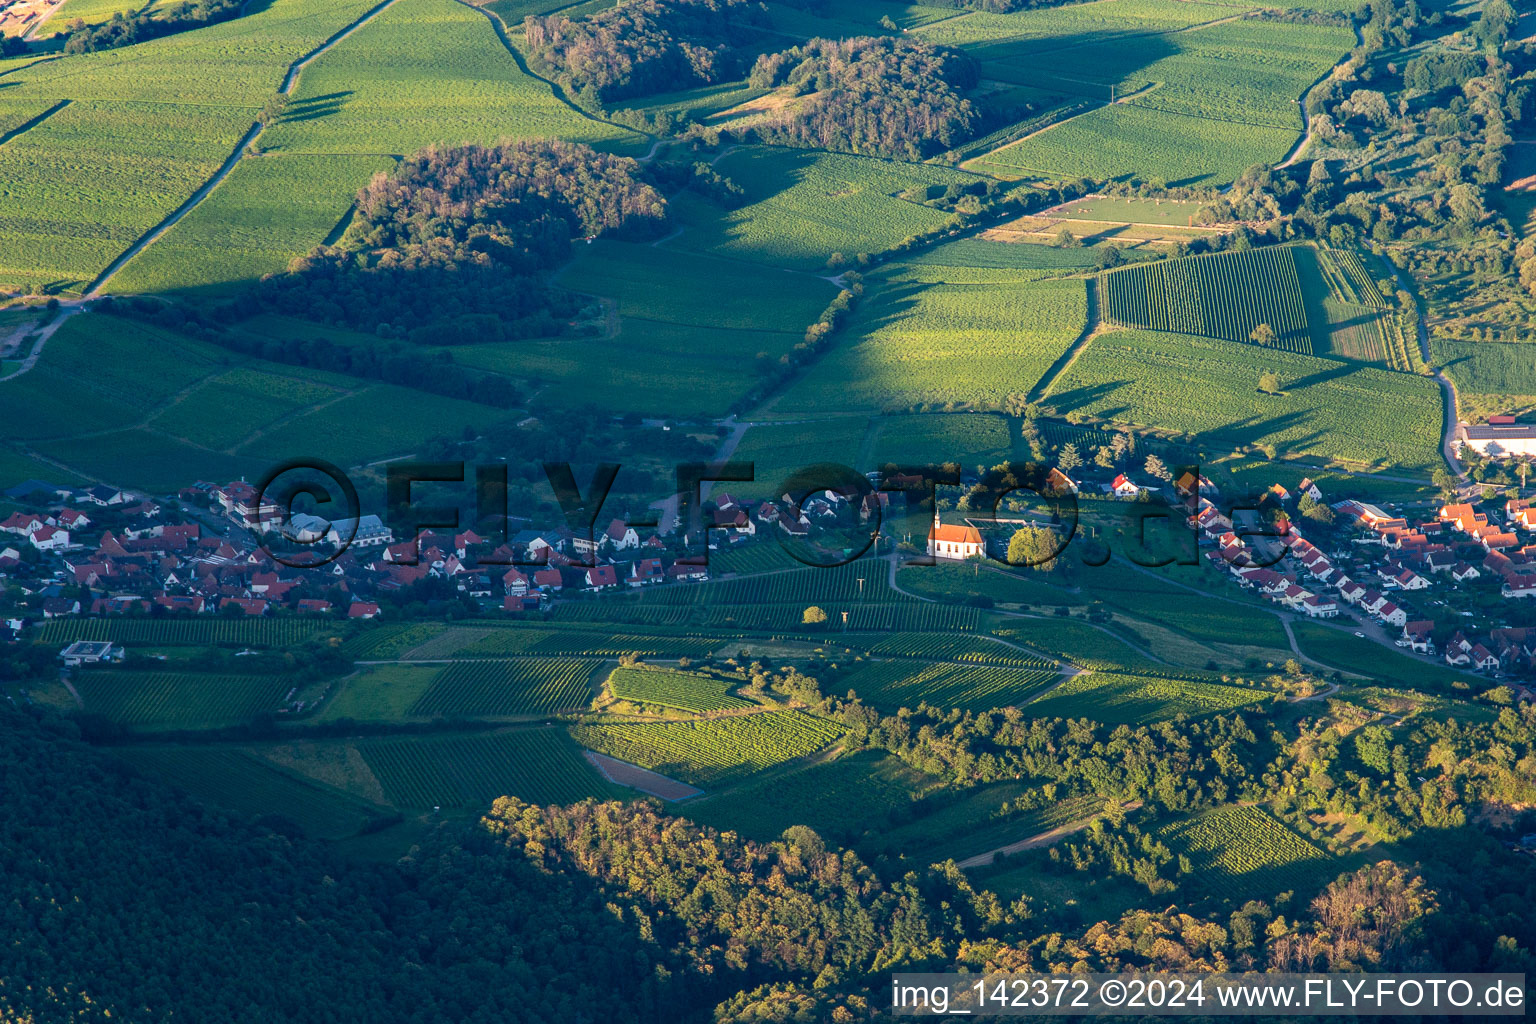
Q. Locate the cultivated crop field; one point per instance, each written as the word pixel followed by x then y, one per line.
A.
pixel 524 686
pixel 842 799
pixel 1223 295
pixel 185 632
pixel 779 451
pixel 716 751
pixel 252 787
pixel 913 346
pixel 1209 388
pixel 802 207
pixel 685 691
pixel 897 684
pixel 941 647
pixel 269 210
pixel 1115 698
pixel 129 148
pixel 537 765
pixel 173 700
pixel 966 438
pixel 1241 853
pixel 959 582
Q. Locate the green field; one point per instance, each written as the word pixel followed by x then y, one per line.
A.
pixel 977 650
pixel 1116 698
pixel 1341 649
pixel 524 686
pixel 145 127
pixel 171 700
pixel 1195 103
pixel 1000 585
pixel 841 799
pixel 803 207
pixel 713 752
pixel 1209 388
pixel 379 693
pixel 778 452
pixel 269 210
pixel 185 632
pixel 966 438
pixel 254 787
pixel 1242 853
pixel 947 346
pixel 685 691
pixel 425 71
pixel 669 329
pixel 906 684
pixel 537 765
pixel 1079 641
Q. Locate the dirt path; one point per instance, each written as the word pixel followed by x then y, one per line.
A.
pixel 42 339
pixel 646 781
pixel 982 860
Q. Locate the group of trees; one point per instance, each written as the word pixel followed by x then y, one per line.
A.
pixel 880 95
pixel 128 27
pixel 452 246
pixel 645 47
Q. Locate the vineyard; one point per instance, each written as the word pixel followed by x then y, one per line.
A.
pixel 982 821
pixel 517 639
pixel 250 786
pixel 523 686
pixel 1361 323
pixel 947 647
pixel 713 751
pixel 1115 698
pixel 537 765
pixel 1208 387
pixel 685 691
pixel 897 684
pixel 170 700
pixel 960 346
pixel 185 632
pixel 1223 295
pixel 841 799
pixel 1240 853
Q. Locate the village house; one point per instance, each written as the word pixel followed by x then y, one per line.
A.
pixel 88 652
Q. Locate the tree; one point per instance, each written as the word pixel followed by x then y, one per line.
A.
pixel 1314 510
pixel 1104 457
pixel 1156 469
pixel 1065 240
pixel 1445 481
pixel 1068 458
pixel 1269 382
pixel 1262 335
pixel 1035 547
pixel 813 616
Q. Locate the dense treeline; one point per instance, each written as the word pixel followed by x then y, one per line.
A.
pixel 451 247
pixel 645 47
pixel 140 903
pixel 128 27
pixel 875 95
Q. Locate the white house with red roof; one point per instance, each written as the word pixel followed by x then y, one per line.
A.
pixel 954 541
pixel 49 538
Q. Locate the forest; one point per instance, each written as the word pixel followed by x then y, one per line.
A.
pixel 646 47
pixel 453 245
pixel 875 95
